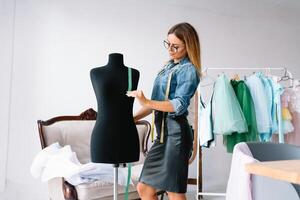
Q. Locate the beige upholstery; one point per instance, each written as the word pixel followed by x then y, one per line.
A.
pixel 77 134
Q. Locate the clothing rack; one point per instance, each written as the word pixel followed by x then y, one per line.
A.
pixel 280 133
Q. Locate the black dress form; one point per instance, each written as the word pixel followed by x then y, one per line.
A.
pixel 114 138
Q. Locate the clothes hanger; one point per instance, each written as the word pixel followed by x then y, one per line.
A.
pixel 222 73
pixel 236 77
pixel 295 85
pixel 251 74
pixel 268 72
pixel 285 77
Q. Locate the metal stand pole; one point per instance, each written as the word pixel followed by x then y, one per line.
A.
pixel 116 166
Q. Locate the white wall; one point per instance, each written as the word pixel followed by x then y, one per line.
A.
pixel 6 61
pixel 56 43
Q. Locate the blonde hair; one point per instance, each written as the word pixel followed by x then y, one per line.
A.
pixel 188 34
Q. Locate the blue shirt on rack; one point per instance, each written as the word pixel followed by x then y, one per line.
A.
pixel 184 82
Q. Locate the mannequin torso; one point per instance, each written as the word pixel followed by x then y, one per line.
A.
pixel 114 137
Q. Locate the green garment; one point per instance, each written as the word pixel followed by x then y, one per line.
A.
pixel 244 98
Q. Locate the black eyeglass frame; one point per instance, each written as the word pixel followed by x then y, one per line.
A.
pixel 174 49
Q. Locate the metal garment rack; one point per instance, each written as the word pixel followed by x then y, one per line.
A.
pixel 280 133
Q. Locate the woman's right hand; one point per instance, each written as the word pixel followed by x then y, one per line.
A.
pixel 139 95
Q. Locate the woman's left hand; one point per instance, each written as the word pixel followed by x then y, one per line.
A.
pixel 139 95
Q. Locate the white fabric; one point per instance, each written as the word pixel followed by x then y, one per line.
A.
pixel 56 161
pixel 295 100
pixel 205 126
pixel 239 182
pixel 205 131
pixel 287 126
pixel 41 159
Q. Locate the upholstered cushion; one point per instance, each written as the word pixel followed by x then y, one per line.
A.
pixel 96 190
pixel 77 134
pixel 100 190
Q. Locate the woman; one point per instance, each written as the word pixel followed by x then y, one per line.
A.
pixel 166 165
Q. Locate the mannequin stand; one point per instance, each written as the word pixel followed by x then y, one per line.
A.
pixel 116 166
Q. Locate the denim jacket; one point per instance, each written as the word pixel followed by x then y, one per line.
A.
pixel 184 82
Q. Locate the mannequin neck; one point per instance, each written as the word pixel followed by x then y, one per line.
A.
pixel 115 60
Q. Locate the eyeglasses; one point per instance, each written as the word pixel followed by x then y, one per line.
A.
pixel 173 47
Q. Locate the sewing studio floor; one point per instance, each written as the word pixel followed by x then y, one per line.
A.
pixel 191 196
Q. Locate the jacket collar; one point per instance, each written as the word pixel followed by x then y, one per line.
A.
pixel 182 61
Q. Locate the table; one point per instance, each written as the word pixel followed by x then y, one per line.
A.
pixel 286 170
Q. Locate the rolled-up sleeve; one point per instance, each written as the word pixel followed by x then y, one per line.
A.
pixel 187 82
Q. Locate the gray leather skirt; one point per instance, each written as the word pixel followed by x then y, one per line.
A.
pixel 166 165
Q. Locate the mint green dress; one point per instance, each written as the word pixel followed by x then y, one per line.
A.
pixel 227 113
pixel 245 100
